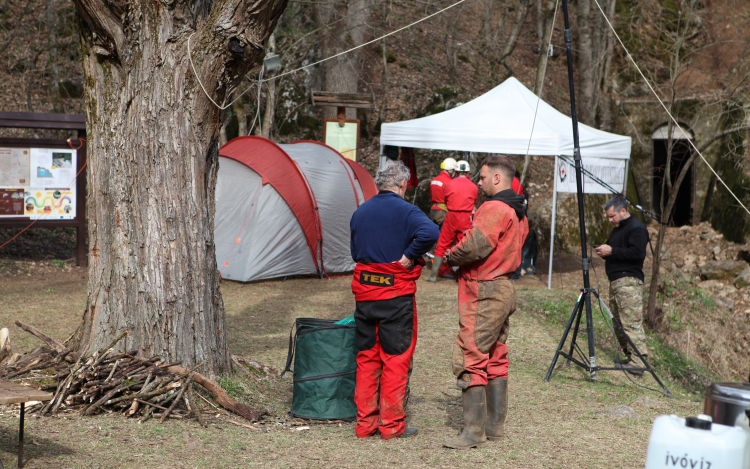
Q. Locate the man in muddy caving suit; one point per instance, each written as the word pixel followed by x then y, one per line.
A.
pixel 487 255
pixel 388 238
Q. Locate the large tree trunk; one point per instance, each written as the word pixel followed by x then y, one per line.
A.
pixel 595 48
pixel 346 24
pixel 548 15
pixel 152 163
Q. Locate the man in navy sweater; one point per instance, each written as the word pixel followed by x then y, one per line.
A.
pixel 388 238
pixel 624 253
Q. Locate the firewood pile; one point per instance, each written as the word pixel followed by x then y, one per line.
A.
pixel 110 381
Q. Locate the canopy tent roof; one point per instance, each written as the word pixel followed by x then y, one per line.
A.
pixel 501 121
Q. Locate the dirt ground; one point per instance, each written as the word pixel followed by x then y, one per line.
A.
pixel 568 422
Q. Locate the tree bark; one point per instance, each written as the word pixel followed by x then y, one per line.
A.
pixel 585 58
pixel 241 112
pixel 522 8
pixel 549 12
pixel 270 111
pixel 50 19
pixel 152 164
pixel 541 67
pixel 350 24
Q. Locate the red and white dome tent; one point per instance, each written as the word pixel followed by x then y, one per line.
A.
pixel 284 209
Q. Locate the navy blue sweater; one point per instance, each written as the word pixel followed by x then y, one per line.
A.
pixel 386 227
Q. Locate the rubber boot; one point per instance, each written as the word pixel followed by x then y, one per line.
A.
pixel 436 263
pixel 497 408
pixel 475 417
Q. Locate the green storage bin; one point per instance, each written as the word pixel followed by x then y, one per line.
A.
pixel 325 369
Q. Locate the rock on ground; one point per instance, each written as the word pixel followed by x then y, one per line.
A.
pixel 743 279
pixel 723 269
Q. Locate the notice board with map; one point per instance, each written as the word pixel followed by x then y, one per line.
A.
pixel 38 183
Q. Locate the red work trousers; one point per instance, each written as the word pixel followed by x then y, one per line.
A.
pixel 452 231
pixel 484 308
pixel 377 368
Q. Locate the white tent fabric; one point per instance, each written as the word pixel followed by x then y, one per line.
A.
pixel 510 119
pixel 326 173
pixel 501 121
pixel 272 243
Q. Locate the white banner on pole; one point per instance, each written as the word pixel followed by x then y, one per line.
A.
pixel 610 171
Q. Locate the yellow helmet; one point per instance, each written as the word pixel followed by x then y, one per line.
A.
pixel 448 164
pixel 462 166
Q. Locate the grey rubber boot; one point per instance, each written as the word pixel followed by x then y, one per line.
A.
pixel 497 408
pixel 475 417
pixel 436 263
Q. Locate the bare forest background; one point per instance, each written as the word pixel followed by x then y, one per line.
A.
pixel 694 53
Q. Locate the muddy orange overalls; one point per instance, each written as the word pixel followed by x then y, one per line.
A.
pixel 488 253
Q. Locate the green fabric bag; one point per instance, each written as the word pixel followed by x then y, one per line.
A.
pixel 325 369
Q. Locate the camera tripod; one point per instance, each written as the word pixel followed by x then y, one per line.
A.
pixel 584 299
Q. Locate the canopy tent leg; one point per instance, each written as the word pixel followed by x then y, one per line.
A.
pixel 552 226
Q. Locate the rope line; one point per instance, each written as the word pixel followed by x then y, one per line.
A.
pixel 665 107
pixel 262 80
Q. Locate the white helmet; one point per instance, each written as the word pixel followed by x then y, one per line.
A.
pixel 448 164
pixel 462 166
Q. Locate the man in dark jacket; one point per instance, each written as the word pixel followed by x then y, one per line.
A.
pixel 388 238
pixel 624 253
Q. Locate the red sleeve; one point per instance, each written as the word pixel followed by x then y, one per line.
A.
pixel 516 186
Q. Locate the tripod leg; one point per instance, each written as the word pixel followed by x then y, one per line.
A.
pixel 573 315
pixel 635 349
pixel 579 307
pixel 590 333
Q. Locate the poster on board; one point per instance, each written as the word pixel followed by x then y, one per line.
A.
pixel 610 171
pixel 38 183
pixel 14 167
pixel 344 140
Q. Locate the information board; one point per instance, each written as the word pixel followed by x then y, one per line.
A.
pixel 38 183
pixel 344 140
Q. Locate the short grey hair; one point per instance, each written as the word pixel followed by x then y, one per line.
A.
pixel 617 203
pixel 390 174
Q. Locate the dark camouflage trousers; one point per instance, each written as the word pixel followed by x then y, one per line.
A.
pixel 626 304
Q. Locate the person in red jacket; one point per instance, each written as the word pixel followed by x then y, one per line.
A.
pixel 487 255
pixel 460 197
pixel 437 191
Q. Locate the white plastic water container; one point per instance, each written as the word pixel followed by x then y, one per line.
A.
pixel 696 443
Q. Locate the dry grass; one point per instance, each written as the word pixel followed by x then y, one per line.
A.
pixel 550 425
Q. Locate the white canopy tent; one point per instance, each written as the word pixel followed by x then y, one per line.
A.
pixel 511 119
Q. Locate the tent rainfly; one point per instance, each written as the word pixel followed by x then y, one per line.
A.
pixel 510 119
pixel 285 209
